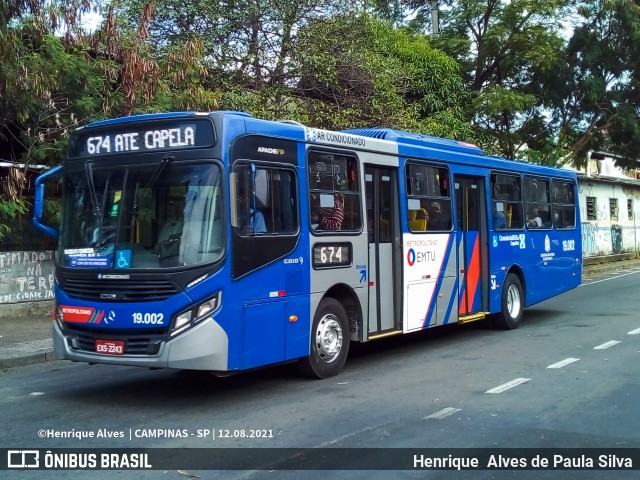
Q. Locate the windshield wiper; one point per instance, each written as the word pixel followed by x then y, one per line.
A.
pixel 88 170
pixel 101 236
pixel 134 213
pixel 98 207
pixel 163 164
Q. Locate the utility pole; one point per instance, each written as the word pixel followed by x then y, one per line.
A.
pixel 435 24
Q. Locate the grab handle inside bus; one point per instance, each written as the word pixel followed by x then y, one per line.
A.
pixel 233 195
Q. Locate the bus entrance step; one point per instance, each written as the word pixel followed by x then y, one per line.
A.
pixel 376 336
pixel 473 317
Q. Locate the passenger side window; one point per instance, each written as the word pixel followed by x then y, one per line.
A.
pixel 428 198
pixel 564 204
pixel 506 202
pixel 265 200
pixel 334 192
pixel 537 202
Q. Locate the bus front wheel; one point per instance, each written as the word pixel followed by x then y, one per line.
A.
pixel 330 338
pixel 512 304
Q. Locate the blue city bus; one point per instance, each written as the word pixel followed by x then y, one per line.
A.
pixel 222 242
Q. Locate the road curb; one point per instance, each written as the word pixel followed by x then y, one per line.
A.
pixel 30 359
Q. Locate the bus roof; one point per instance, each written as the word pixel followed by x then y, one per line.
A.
pixel 419 139
pixel 415 144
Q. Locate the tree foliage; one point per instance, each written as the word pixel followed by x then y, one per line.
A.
pixel 550 79
pixel 47 86
pixel 247 45
pixel 11 203
pixel 504 48
pixel 533 79
pixel 55 75
pixel 321 62
pixel 595 95
pixel 358 71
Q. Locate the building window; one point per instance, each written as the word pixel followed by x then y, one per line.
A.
pixel 591 208
pixel 613 209
pixel 630 208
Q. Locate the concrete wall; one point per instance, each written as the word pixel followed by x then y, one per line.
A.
pixel 26 276
pixel 26 284
pixel 605 235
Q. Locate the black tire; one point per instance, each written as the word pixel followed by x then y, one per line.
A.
pixel 512 304
pixel 330 338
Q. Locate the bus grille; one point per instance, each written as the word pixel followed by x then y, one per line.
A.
pixel 135 343
pixel 120 290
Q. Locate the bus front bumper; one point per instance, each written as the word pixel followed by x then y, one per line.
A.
pixel 203 347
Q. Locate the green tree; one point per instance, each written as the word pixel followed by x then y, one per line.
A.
pixel 359 71
pixel 48 83
pixel 153 75
pixel 11 204
pixel 558 77
pixel 55 75
pixel 594 93
pixel 316 61
pixel 247 44
pixel 46 88
pixel 504 48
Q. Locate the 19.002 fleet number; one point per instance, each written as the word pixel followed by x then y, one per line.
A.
pixel 148 318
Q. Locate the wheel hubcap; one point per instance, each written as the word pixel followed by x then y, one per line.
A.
pixel 513 301
pixel 329 338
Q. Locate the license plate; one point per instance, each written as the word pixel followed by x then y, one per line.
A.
pixel 110 347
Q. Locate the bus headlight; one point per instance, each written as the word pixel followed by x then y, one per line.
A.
pixel 207 307
pixel 186 319
pixel 182 319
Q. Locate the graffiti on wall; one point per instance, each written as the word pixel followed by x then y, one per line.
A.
pixel 26 276
pixel 604 240
pixel 589 241
pixel 616 238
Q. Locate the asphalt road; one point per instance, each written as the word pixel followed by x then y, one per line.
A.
pixel 559 381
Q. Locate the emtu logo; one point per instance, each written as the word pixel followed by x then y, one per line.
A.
pixel 411 257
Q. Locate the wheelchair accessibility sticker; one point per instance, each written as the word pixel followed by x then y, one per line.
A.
pixel 123 259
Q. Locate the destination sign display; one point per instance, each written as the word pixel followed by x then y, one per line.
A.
pixel 144 137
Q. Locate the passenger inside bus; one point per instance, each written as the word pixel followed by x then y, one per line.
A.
pixel 251 220
pixel 557 221
pixel 438 218
pixel 499 219
pixel 534 220
pixel 327 217
pixel 417 219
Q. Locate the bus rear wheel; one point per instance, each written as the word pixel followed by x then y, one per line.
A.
pixel 512 304
pixel 330 339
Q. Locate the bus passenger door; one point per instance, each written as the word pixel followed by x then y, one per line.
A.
pixel 382 203
pixel 471 244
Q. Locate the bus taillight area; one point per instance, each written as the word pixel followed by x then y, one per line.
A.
pixel 127 335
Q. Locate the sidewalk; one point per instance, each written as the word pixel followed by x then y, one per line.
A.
pixel 25 340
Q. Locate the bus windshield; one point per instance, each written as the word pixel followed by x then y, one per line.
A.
pixel 150 216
